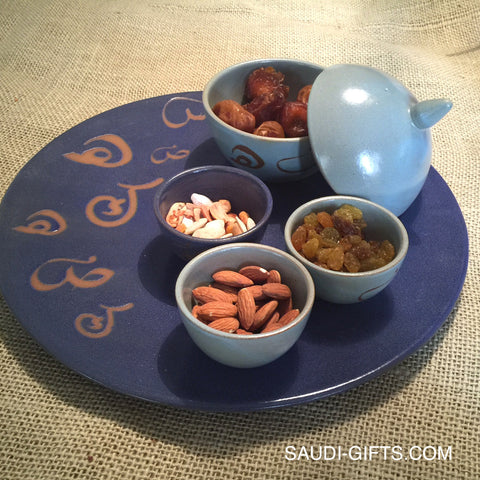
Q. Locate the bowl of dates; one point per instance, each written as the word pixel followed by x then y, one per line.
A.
pixel 286 119
pixel 257 112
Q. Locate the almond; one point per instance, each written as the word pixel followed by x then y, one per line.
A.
pixel 226 288
pixel 225 324
pixel 195 311
pixel 211 294
pixel 284 306
pixel 232 278
pixel 246 308
pixel 241 331
pixel 257 292
pixel 214 310
pixel 255 273
pixel 288 317
pixel 282 321
pixel 277 291
pixel 274 277
pixel 270 325
pixel 263 314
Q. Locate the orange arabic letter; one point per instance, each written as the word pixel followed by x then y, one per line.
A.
pixel 102 275
pixel 100 156
pixel 93 326
pixel 114 205
pixel 178 155
pixel 188 113
pixel 44 226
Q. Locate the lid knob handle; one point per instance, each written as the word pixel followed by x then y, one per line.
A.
pixel 427 113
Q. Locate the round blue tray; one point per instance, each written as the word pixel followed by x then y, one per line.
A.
pixel 85 270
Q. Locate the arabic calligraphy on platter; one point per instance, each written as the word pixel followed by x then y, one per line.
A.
pixel 110 151
pixel 48 223
pixel 95 326
pixel 115 206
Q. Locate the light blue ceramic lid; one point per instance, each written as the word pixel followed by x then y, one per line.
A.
pixel 370 136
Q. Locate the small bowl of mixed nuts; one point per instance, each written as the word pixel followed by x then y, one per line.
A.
pixel 257 112
pixel 352 247
pixel 208 206
pixel 244 305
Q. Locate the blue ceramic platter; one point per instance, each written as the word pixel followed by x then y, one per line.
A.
pixel 85 270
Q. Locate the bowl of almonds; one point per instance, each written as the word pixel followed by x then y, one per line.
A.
pixel 352 247
pixel 257 112
pixel 244 305
pixel 208 206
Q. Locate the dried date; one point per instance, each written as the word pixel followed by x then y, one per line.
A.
pixel 232 113
pixel 267 106
pixel 265 80
pixel 293 118
pixel 266 101
pixel 304 94
pixel 270 129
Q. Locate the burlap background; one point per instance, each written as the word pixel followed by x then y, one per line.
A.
pixel 62 62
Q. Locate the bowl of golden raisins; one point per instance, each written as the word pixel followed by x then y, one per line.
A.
pixel 257 112
pixel 352 247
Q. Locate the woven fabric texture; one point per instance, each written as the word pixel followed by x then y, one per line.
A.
pixel 64 61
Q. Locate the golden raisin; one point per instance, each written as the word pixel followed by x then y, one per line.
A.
pixel 335 259
pixel 324 219
pixel 312 233
pixel 387 251
pixel 349 212
pixel 341 247
pixel 371 263
pixel 299 237
pixel 351 262
pixel 311 219
pixel 322 256
pixel 310 248
pixel 330 237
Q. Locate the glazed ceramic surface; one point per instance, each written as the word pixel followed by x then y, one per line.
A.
pixel 271 159
pixel 245 351
pixel 370 136
pixel 344 287
pixel 244 191
pixel 126 333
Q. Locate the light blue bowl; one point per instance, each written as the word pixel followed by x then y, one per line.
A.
pixel 271 159
pixel 344 287
pixel 370 135
pixel 244 351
